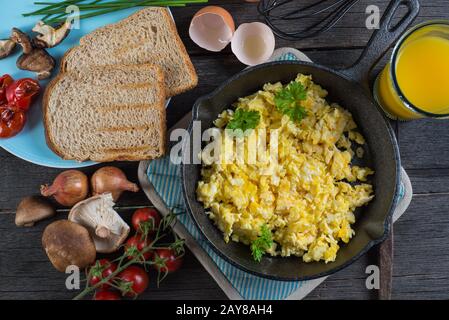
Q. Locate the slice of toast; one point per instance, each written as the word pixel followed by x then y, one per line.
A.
pixel 106 114
pixel 147 36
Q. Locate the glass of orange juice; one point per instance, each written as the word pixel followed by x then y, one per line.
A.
pixel 415 82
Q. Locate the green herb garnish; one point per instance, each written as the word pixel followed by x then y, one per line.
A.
pixel 56 12
pixel 262 243
pixel 244 120
pixel 288 101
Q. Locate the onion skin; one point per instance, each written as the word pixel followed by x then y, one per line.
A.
pixel 68 188
pixel 113 180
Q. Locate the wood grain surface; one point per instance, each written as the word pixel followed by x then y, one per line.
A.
pixel 421 259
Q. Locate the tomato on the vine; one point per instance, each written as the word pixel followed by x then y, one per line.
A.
pixel 15 99
pixel 102 268
pixel 146 220
pixel 106 295
pixel 20 93
pixel 135 244
pixel 167 261
pixel 133 281
pixel 11 121
pixel 5 82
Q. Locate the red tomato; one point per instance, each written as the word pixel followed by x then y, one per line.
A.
pixel 139 242
pixel 21 93
pixel 135 279
pixel 101 269
pixel 5 81
pixel 106 295
pixel 11 121
pixel 166 260
pixel 146 220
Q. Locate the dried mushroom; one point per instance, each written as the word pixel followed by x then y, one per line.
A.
pixel 22 39
pixel 33 59
pixel 32 209
pixel 6 47
pixel 48 36
pixel 67 243
pixel 105 225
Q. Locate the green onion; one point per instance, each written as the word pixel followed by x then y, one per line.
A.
pixel 55 12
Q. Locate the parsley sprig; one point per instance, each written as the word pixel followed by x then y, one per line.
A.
pixel 244 120
pixel 262 243
pixel 288 101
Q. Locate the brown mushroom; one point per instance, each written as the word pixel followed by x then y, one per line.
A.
pixel 22 39
pixel 107 228
pixel 67 243
pixel 32 209
pixel 6 47
pixel 33 59
pixel 48 36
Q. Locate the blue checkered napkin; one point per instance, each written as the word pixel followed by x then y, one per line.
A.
pixel 166 179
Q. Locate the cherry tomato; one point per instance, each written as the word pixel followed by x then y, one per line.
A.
pixel 11 121
pixel 5 81
pixel 21 93
pixel 106 295
pixel 134 279
pixel 101 269
pixel 138 242
pixel 146 220
pixel 166 260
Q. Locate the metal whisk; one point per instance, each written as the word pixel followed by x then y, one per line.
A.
pixel 327 12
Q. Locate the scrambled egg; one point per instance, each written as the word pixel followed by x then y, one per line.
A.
pixel 308 196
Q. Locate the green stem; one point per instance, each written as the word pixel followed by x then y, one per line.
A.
pixel 55 5
pixel 104 8
pixel 137 259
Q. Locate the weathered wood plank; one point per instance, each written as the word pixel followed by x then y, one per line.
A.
pixel 349 32
pixel 26 273
pixel 424 144
pixel 421 260
pixel 419 243
pixel 426 181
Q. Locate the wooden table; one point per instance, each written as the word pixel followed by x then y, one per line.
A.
pixel 421 260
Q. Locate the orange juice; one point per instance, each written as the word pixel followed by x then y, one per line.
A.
pixel 415 83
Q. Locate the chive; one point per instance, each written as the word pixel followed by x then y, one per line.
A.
pixel 98 7
pixel 100 10
pixel 54 5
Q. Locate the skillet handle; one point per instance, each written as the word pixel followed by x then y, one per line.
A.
pixel 381 41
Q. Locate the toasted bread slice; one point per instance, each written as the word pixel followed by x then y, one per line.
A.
pixel 147 36
pixel 106 114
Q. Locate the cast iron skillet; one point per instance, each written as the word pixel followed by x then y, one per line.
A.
pixel 348 87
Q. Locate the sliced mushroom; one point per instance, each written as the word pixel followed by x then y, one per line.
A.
pixel 105 225
pixel 33 59
pixel 67 243
pixel 22 39
pixel 32 209
pixel 6 47
pixel 49 36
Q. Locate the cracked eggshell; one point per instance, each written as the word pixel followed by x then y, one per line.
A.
pixel 107 228
pixel 212 28
pixel 253 43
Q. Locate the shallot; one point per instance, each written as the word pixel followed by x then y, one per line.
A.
pixel 68 188
pixel 113 180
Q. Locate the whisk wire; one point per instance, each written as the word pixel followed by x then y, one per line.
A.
pixel 338 9
pixel 291 15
